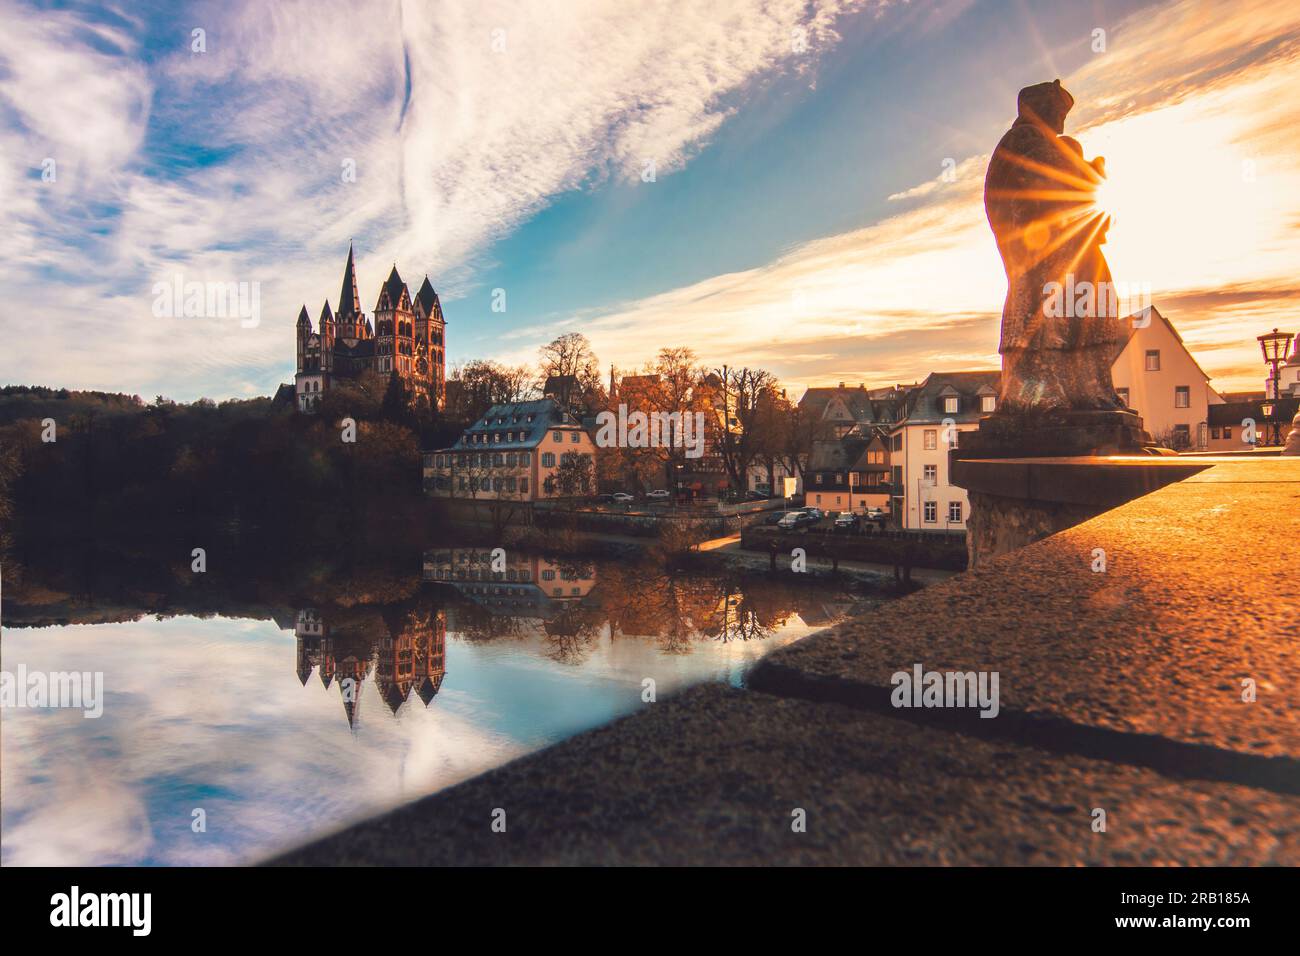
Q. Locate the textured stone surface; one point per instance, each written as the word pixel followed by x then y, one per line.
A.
pixel 1199 593
pixel 712 777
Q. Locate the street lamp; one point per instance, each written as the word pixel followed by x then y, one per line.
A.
pixel 1274 346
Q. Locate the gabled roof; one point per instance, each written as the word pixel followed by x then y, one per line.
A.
pixel 865 405
pixel 349 301
pixel 394 294
pixel 836 454
pixel 427 299
pixel 1131 323
pixel 924 404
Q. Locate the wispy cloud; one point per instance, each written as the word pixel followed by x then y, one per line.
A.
pixel 1197 116
pixel 461 121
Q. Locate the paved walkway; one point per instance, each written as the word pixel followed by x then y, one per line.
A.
pixel 1120 692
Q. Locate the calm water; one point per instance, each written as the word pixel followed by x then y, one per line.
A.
pixel 285 710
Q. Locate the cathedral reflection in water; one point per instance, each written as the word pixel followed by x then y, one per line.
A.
pixel 402 648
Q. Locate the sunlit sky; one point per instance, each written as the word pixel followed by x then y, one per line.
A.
pixel 798 218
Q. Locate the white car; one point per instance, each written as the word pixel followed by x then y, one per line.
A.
pixel 658 495
pixel 622 497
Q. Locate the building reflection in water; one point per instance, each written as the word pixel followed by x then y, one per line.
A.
pixel 399 649
pixel 515 584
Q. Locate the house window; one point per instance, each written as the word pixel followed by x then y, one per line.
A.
pixel 1153 360
pixel 548 459
pixel 954 512
pixel 496 437
pixel 573 437
pixel 525 459
pixel 932 473
pixel 839 479
pixel 1182 396
pixel 988 403
pixel 523 485
pixel 558 436
pixel 838 500
pixel 1182 437
pixel 931 439
pixel 498 460
pixel 898 476
pixel 931 511
pixel 819 478
pixel 511 460
pixel 1123 396
pixel 1227 433
pixel 548 575
pixel 1214 433
pixel 950 405
pixel 898 442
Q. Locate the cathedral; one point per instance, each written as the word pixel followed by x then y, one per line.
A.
pixel 407 339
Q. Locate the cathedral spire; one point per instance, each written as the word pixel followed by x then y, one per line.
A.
pixel 349 301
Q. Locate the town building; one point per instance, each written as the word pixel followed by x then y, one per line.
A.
pixel 933 416
pixel 407 339
pixel 1157 377
pixel 1242 426
pixel 840 411
pixel 850 473
pixel 514 452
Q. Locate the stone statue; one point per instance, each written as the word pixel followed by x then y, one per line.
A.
pixel 1293 437
pixel 1058 341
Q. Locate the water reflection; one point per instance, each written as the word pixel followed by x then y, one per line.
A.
pixel 287 700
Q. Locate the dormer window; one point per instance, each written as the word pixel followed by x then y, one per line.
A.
pixel 950 405
pixel 988 403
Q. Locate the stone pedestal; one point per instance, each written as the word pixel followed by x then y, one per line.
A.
pixel 1023 476
pixel 1293 438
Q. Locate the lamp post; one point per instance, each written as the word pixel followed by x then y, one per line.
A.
pixel 1274 346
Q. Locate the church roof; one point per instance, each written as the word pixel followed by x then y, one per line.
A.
pixel 394 294
pixel 427 298
pixel 349 301
pixel 303 318
pixel 325 314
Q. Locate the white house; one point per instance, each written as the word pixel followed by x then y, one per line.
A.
pixel 1157 377
pixel 935 413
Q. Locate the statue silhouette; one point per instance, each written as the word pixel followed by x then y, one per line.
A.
pixel 1039 197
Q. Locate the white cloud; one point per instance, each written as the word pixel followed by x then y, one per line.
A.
pixel 286 92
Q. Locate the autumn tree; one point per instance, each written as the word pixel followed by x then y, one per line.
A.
pixel 570 361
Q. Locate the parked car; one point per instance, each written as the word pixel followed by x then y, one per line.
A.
pixel 789 521
pixel 798 519
pixel 815 512
pixel 622 497
pixel 603 499
pixel 659 494
pixel 846 521
pixel 775 517
pixel 755 496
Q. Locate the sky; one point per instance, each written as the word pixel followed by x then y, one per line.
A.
pixel 790 184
